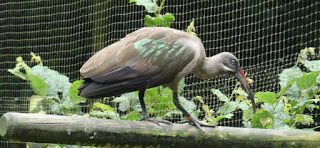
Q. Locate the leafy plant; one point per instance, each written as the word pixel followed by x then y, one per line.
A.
pixel 152 7
pixel 53 91
pixel 229 106
pixel 283 110
pixel 100 110
pixel 299 92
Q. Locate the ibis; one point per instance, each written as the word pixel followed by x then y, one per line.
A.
pixel 153 56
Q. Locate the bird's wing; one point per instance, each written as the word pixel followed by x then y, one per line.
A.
pixel 153 56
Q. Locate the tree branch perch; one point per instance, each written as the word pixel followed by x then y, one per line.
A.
pixel 100 132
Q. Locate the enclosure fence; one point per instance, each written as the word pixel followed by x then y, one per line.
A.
pixel 265 35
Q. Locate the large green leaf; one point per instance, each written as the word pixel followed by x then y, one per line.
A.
pixel 221 96
pixel 159 21
pixel 39 86
pixel 151 7
pixel 279 116
pixel 308 80
pixel 267 97
pixel 293 92
pixel 312 65
pixel 289 74
pixel 56 81
pixel 228 107
pixel 73 92
pixel 133 116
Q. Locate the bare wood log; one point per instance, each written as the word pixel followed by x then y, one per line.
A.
pixel 99 132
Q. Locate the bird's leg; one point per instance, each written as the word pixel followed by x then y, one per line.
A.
pixel 145 114
pixel 191 120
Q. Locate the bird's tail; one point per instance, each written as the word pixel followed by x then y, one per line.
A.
pixel 92 89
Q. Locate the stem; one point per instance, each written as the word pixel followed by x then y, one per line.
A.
pixel 161 6
pixel 316 127
pixel 275 107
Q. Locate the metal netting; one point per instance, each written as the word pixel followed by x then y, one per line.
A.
pixel 265 35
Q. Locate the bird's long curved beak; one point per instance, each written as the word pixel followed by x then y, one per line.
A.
pixel 242 78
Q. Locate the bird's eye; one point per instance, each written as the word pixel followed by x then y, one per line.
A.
pixel 233 62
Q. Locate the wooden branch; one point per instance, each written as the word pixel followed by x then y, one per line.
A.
pixel 100 132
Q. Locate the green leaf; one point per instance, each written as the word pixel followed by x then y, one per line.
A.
pixel 293 92
pixel 274 108
pixel 127 101
pixel 106 115
pixel 67 107
pixel 228 116
pixel 126 96
pixel 159 99
pixel 102 107
pixel 289 74
pixel 56 81
pixel 220 95
pixel 73 92
pixel 267 97
pixel 160 21
pixel 189 106
pixel 133 116
pixel 243 106
pixel 19 74
pixel 304 119
pixel 283 90
pixel 279 116
pixel 150 6
pixel 308 80
pixel 240 92
pixel 312 65
pixel 301 102
pixel 38 85
pixel 247 114
pixel 262 119
pixel 124 105
pixel 228 107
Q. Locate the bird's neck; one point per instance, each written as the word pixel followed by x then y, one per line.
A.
pixel 208 68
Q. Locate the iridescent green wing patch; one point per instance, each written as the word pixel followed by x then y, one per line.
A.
pixel 164 53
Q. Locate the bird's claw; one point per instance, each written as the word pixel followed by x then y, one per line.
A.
pixel 155 121
pixel 199 124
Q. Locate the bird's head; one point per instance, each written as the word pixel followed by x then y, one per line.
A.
pixel 231 65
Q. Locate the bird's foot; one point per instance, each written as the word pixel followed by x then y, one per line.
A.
pixel 197 124
pixel 155 121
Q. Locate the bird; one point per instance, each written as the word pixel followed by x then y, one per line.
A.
pixel 154 56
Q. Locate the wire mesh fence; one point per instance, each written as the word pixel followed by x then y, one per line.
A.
pixel 265 35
